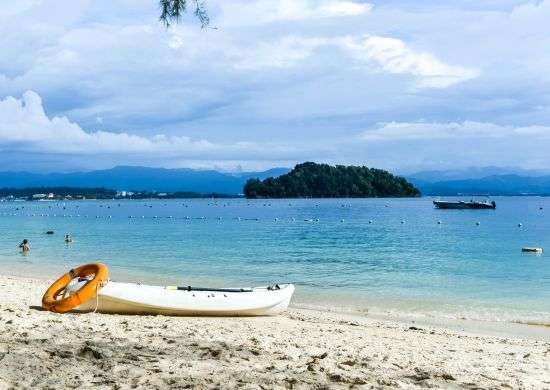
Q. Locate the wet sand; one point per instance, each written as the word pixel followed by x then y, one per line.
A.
pixel 300 349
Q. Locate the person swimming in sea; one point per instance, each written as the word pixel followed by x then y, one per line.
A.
pixel 25 246
pixel 68 238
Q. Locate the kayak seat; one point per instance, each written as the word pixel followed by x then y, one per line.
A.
pixel 189 288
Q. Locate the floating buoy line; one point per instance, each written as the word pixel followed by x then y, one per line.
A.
pixel 63 213
pixel 25 211
pixel 203 218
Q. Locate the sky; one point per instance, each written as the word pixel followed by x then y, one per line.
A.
pixel 397 84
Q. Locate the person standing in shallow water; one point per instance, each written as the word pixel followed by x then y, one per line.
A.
pixel 25 247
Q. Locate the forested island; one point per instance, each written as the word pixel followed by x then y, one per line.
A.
pixel 311 180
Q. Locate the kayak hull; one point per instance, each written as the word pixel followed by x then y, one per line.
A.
pixel 131 298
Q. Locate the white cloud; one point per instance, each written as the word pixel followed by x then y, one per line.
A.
pixel 403 131
pixel 389 54
pixel 25 129
pixel 308 9
pixel 395 56
pixel 268 11
pixel 344 8
pixel 11 8
pixel 283 53
pixel 418 146
pixel 25 126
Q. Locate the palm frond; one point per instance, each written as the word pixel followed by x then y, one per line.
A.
pixel 201 14
pixel 172 11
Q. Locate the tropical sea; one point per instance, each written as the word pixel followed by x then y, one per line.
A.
pixel 377 255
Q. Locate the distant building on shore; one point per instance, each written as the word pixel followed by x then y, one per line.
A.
pixel 49 196
pixel 124 194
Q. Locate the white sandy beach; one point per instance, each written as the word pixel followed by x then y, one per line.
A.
pixel 301 349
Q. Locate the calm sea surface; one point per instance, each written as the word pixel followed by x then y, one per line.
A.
pixel 384 255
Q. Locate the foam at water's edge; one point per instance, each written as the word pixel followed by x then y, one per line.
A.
pixel 532 323
pixel 304 300
pixel 476 327
pixel 430 316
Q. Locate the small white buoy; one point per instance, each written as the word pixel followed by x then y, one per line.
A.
pixel 370 220
pixel 402 221
pixel 439 222
pixel 478 223
pixel 520 224
pixel 342 220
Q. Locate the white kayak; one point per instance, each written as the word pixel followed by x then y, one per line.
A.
pixel 132 298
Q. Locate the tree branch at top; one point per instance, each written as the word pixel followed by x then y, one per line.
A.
pixel 172 11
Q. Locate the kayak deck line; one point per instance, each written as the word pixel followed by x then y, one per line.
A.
pixel 189 288
pixel 231 290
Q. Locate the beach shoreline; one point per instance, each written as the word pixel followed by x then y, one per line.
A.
pixel 300 349
pixel 518 328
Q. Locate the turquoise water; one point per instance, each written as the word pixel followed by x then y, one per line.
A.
pixel 403 261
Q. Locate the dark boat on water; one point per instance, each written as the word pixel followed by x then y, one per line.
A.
pixel 470 205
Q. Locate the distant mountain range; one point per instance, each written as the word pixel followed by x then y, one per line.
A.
pixel 474 173
pixel 141 179
pixel 484 180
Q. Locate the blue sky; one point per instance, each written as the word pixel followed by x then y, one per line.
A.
pixel 401 85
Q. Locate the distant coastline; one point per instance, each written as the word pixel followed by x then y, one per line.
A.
pixel 77 193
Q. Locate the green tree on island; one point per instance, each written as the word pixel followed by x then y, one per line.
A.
pixel 311 180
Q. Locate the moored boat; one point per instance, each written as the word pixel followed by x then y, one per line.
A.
pixel 471 205
pixel 532 249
